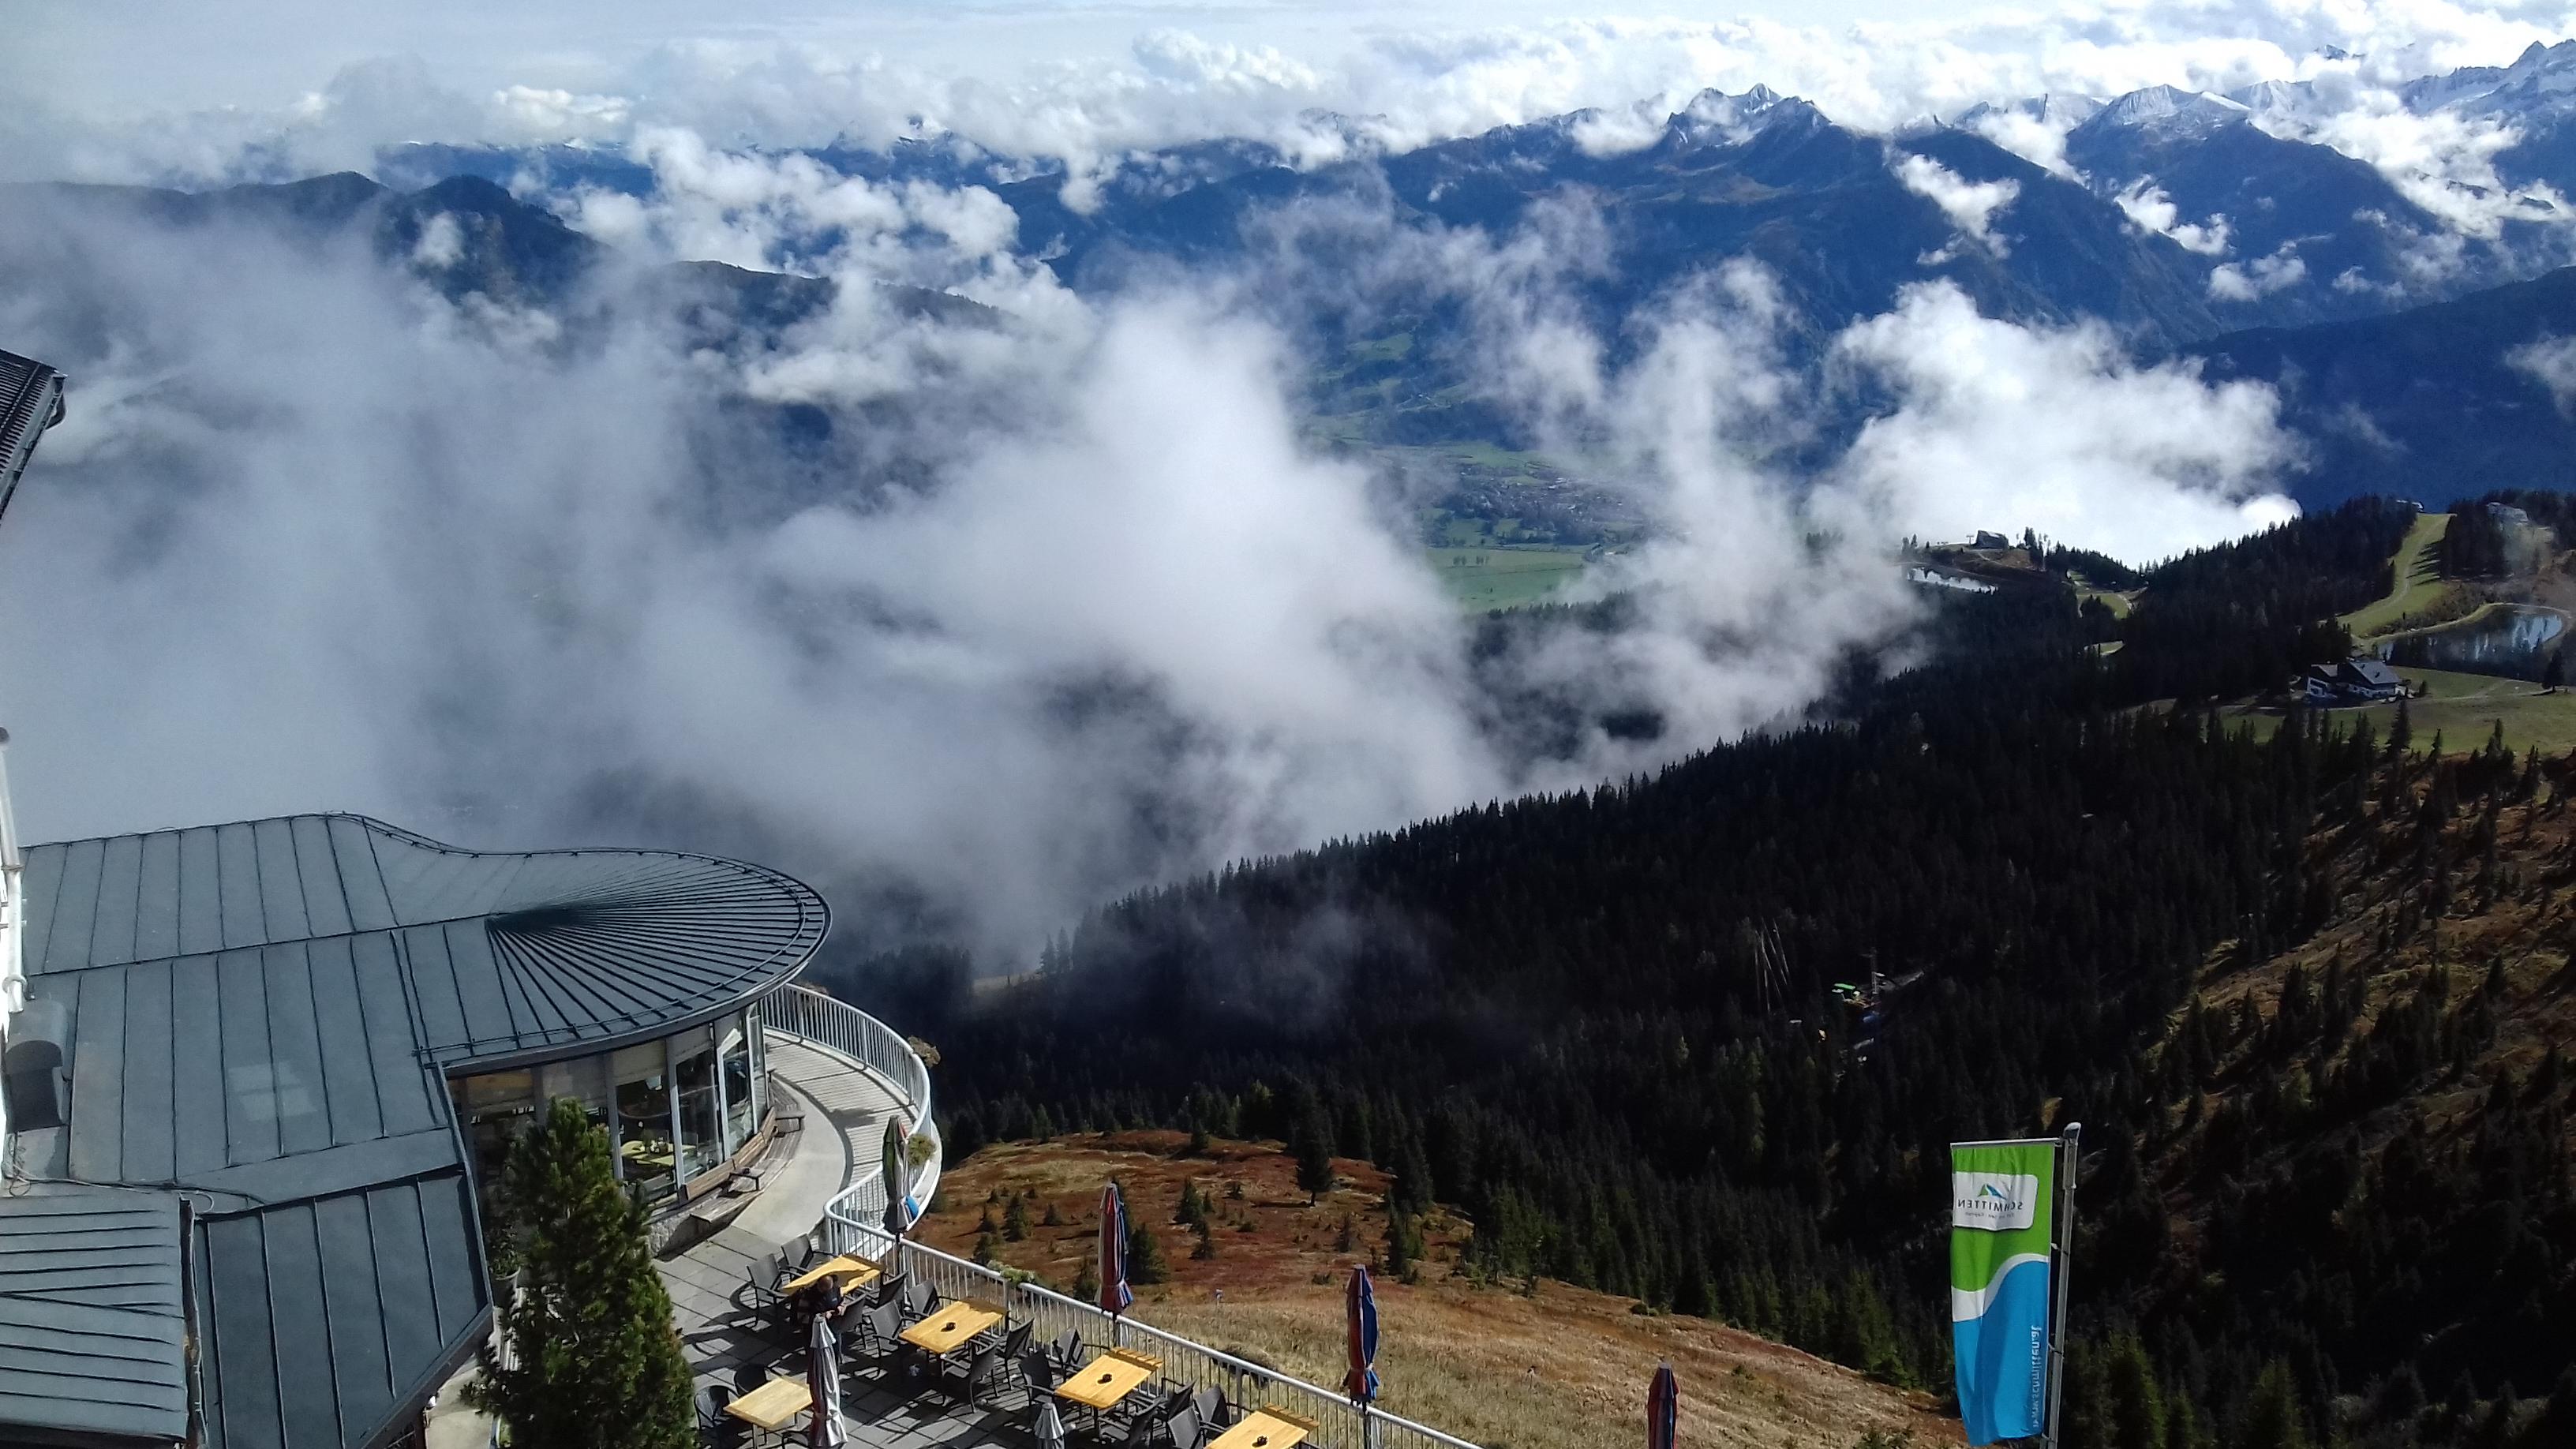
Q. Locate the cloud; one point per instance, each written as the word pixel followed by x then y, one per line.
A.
pixel 1970 205
pixel 2150 209
pixel 2551 362
pixel 1010 616
pixel 2259 277
pixel 2003 426
pixel 1087 92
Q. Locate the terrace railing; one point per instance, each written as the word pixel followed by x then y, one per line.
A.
pixel 853 1222
pixel 825 1021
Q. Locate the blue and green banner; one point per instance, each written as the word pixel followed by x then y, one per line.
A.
pixel 2002 1198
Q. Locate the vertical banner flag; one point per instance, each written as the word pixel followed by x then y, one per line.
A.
pixel 2001 1195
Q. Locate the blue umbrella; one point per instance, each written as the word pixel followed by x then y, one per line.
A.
pixel 1663 1408
pixel 1114 1296
pixel 1360 1312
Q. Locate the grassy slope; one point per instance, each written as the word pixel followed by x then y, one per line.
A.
pixel 2464 708
pixel 1560 1369
pixel 1504 578
pixel 2418 583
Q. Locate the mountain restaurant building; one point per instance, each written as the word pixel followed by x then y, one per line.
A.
pixel 261 1072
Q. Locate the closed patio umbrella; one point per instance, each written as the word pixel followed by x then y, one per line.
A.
pixel 1049 1425
pixel 1663 1408
pixel 901 1211
pixel 823 1377
pixel 1359 1307
pixel 1114 1294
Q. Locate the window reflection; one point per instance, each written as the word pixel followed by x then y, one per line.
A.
pixel 701 1134
pixel 645 1151
pixel 739 1118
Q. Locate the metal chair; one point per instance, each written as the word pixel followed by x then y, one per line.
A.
pixel 716 1428
pixel 1210 1402
pixel 763 1278
pixel 1037 1372
pixel 1181 1428
pixel 980 1375
pixel 877 1327
pixel 892 1287
pixel 1067 1351
pixel 922 1301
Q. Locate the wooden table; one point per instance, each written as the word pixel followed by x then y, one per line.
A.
pixel 1105 1380
pixel 952 1327
pixel 1266 1428
pixel 853 1271
pixel 774 1405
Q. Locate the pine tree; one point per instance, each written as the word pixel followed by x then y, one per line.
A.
pixel 1314 1152
pixel 1053 1218
pixel 2273 1419
pixel 590 1360
pixel 1145 1261
pixel 1015 1218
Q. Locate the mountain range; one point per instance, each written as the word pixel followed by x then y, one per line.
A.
pixel 2216 228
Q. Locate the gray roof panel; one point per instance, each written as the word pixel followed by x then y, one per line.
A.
pixel 267 1012
pixel 92 1319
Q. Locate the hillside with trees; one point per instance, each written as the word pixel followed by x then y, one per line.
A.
pixel 2331 1206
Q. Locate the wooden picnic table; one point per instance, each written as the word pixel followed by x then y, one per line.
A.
pixel 853 1271
pixel 1101 1383
pixel 774 1405
pixel 1265 1428
pixel 952 1327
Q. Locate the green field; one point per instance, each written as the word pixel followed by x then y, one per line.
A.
pixel 1504 578
pixel 2419 579
pixel 2464 708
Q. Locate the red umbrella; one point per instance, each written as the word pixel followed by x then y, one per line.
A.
pixel 1663 1407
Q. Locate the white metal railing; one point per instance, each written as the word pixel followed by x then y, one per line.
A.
pixel 825 1021
pixel 1340 1423
pixel 853 1222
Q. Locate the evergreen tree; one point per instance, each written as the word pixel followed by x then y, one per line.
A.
pixel 1015 1218
pixel 590 1359
pixel 1313 1148
pixel 1145 1261
pixel 2273 1419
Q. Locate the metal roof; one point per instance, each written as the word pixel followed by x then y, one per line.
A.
pixel 31 400
pixel 267 1012
pixel 93 1334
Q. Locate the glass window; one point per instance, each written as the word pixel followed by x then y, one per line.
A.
pixel 645 1152
pixel 701 1134
pixel 759 1066
pixel 736 1056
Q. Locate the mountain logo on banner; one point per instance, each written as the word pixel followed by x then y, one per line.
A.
pixel 1997 1202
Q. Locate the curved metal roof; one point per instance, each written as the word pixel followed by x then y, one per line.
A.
pixel 267 1011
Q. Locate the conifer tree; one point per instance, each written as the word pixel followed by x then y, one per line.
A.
pixel 1145 1261
pixel 592 1360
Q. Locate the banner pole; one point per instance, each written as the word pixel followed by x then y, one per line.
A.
pixel 2061 1251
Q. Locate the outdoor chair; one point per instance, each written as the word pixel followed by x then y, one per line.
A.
pixel 984 1373
pixel 1067 1351
pixel 764 1276
pixel 748 1376
pixel 1181 1426
pixel 892 1287
pixel 877 1328
pixel 1037 1372
pixel 1015 1346
pixel 716 1428
pixel 1210 1402
pixel 922 1301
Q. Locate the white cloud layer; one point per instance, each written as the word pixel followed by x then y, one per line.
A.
pixel 1396 83
pixel 1061 606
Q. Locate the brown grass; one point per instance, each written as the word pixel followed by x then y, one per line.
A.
pixel 1563 1369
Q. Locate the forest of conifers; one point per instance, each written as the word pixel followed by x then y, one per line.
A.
pixel 1548 1013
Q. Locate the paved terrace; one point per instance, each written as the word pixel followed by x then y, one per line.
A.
pixel 845 1111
